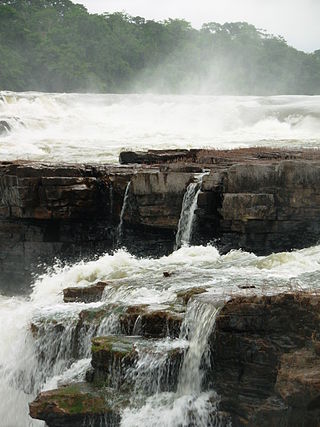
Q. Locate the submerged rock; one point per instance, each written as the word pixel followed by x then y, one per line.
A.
pixel 4 127
pixel 115 361
pixel 187 294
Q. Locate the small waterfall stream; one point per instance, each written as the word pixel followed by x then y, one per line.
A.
pixel 189 205
pixel 123 211
pixel 197 326
pixel 185 404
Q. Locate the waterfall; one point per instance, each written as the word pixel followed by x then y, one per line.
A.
pixel 185 404
pixel 197 326
pixel 189 205
pixel 123 211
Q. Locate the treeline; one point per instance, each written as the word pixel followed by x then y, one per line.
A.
pixel 56 45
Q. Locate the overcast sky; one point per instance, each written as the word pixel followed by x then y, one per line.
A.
pixel 296 20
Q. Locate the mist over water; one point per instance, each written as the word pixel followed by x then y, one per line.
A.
pixel 95 128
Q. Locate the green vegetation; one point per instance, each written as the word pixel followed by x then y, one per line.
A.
pixel 55 45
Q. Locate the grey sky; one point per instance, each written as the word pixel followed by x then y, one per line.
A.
pixel 296 20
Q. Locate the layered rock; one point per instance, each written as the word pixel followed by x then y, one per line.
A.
pixel 260 200
pixel 265 362
pixel 265 365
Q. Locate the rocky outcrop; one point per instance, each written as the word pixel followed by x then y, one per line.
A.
pixel 262 207
pixel 260 200
pixel 265 366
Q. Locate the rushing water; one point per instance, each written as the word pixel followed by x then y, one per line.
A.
pixel 27 364
pixel 122 213
pixel 42 344
pixel 95 128
pixel 189 205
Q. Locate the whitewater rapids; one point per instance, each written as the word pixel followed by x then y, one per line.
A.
pixel 137 281
pixel 95 128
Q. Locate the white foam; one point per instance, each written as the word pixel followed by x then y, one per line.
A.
pixel 95 128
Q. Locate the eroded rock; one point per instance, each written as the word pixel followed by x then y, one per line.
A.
pixel 85 294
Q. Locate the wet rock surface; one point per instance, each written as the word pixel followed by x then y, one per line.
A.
pixel 260 200
pixel 265 367
pixel 264 360
pixel 77 404
pixel 84 294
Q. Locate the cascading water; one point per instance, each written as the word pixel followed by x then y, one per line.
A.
pixel 189 205
pixel 37 358
pixel 187 404
pixel 198 325
pixel 123 211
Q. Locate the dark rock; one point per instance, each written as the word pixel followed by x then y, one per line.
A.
pixel 167 274
pixel 298 379
pixel 151 323
pixel 263 367
pixel 111 357
pixel 152 156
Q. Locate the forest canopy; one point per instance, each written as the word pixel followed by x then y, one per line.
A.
pixel 57 46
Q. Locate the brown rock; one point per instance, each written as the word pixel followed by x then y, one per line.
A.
pixel 263 367
pixel 298 380
pixel 86 294
pixel 74 405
